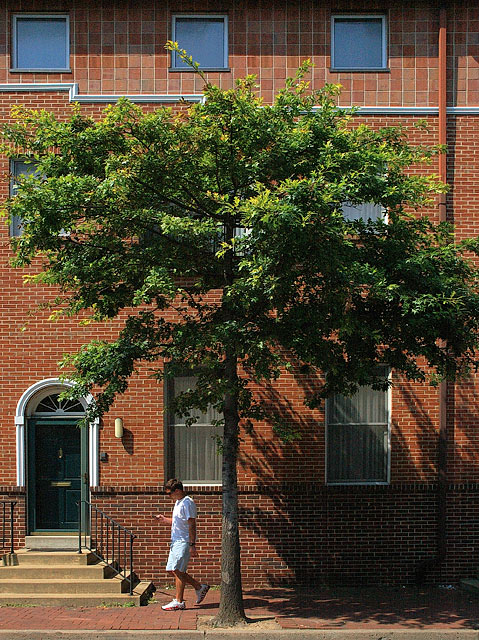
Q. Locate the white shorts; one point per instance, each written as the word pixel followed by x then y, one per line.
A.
pixel 179 556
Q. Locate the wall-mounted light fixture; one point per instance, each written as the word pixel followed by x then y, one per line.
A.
pixel 118 427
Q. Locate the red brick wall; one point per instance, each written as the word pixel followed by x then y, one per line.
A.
pixel 312 534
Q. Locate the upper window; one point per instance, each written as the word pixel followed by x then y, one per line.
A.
pixel 192 451
pixel 357 432
pixel 358 42
pixel 363 211
pixel 204 37
pixel 40 43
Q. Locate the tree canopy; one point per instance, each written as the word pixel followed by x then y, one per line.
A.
pixel 220 229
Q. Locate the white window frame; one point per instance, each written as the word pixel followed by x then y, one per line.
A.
pixel 200 16
pixel 384 43
pixel 39 16
pixel 388 453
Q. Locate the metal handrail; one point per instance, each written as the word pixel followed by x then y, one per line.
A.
pixel 4 510
pixel 106 537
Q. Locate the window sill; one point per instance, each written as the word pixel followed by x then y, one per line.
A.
pixel 366 483
pixel 40 71
pixel 358 70
pixel 202 483
pixel 205 69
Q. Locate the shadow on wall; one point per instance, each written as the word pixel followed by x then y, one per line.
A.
pixel 310 533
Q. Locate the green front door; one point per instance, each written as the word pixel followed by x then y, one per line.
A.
pixel 57 468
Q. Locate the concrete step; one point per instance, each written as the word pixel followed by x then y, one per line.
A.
pixel 25 557
pixel 471 585
pixel 62 585
pixel 140 596
pixel 54 543
pixel 67 571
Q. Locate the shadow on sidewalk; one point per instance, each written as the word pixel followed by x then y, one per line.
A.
pixel 408 607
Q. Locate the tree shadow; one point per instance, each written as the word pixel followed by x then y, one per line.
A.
pixel 307 532
pixel 407 607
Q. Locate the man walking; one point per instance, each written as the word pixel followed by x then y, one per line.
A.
pixel 183 544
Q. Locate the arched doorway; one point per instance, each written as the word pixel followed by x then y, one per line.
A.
pixel 54 456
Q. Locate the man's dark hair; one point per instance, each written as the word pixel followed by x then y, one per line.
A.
pixel 173 485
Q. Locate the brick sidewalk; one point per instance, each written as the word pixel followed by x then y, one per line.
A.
pixel 386 608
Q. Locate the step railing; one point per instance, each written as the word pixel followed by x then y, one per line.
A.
pixel 6 525
pixel 110 542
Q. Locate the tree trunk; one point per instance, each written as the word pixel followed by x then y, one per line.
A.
pixel 231 611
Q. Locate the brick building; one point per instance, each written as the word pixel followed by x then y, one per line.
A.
pixel 403 498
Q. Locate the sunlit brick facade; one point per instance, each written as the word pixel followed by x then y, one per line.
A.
pixel 295 525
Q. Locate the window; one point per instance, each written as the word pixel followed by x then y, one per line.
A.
pixel 204 37
pixel 364 211
pixel 357 433
pixel 40 43
pixel 18 168
pixel 52 405
pixel 358 42
pixel 192 450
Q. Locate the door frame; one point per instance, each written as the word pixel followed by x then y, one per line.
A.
pixel 24 410
pixel 30 475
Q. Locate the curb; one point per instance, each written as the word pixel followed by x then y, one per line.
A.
pixel 234 634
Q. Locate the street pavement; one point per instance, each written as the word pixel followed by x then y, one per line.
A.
pixel 328 614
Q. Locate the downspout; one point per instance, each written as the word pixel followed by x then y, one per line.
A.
pixel 442 475
pixel 442 479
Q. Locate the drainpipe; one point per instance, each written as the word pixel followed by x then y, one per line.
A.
pixel 442 476
pixel 442 446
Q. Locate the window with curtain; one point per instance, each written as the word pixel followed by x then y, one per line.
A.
pixel 357 432
pixel 192 450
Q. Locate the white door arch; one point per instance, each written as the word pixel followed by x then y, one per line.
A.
pixel 26 406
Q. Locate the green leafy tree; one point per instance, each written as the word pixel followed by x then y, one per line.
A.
pixel 140 212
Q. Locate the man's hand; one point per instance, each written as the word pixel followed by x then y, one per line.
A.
pixel 163 519
pixel 193 552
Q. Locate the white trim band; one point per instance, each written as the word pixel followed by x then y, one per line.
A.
pixel 74 96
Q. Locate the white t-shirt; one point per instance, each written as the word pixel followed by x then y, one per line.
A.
pixel 182 511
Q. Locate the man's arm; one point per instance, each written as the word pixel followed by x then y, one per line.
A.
pixel 192 536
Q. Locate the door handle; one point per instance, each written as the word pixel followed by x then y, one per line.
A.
pixel 85 478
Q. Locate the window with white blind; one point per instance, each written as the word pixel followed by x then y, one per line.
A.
pixel 192 450
pixel 357 434
pixel 363 211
